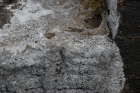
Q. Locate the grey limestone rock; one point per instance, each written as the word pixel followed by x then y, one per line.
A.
pixel 67 62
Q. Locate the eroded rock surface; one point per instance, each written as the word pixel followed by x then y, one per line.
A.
pixel 48 49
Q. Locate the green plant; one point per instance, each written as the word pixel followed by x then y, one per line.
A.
pixel 97 6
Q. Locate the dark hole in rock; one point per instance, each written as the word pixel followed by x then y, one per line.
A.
pixel 93 22
pixel 35 41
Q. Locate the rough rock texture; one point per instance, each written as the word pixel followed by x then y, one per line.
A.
pixel 128 40
pixel 48 49
pixel 114 17
pixel 89 66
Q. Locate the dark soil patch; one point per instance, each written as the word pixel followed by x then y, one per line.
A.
pixel 5 15
pixel 128 40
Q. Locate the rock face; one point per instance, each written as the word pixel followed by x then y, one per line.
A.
pixel 48 49
pixel 89 66
pixel 127 39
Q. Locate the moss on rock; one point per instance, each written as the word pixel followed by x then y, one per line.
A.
pixel 97 6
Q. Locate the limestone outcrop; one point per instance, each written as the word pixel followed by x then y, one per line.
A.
pixel 46 48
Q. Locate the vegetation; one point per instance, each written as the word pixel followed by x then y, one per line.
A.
pixel 97 6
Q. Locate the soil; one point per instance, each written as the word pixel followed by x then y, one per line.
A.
pixel 128 40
